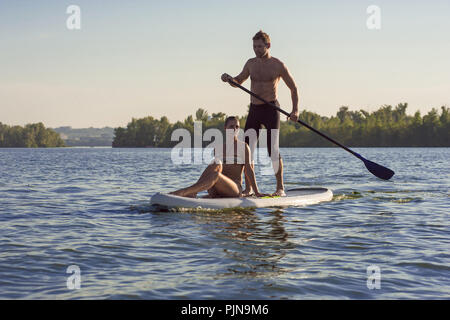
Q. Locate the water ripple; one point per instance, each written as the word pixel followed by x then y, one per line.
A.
pixel 89 207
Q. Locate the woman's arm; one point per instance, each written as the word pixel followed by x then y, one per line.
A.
pixel 250 173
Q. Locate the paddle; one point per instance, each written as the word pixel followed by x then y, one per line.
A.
pixel 374 168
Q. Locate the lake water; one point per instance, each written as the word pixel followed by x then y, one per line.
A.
pixel 89 207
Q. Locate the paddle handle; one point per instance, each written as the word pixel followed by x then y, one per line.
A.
pixel 299 121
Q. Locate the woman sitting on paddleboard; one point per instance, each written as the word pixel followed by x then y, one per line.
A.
pixel 223 177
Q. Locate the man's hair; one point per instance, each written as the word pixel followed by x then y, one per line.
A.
pixel 262 36
pixel 228 119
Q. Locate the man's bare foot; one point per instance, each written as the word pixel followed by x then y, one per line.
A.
pixel 279 193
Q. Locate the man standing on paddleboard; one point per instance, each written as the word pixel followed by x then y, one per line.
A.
pixel 265 72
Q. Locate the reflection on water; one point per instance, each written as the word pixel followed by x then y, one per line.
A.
pixel 90 207
pixel 254 246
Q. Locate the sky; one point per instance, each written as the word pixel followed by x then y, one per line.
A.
pixel 132 59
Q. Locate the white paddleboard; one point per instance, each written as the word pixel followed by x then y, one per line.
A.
pixel 294 197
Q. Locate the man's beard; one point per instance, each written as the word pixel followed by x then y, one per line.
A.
pixel 261 55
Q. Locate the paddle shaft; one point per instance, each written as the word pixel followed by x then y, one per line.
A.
pixel 299 121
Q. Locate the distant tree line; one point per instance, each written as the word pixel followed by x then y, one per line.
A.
pixel 31 136
pixel 86 137
pixel 386 127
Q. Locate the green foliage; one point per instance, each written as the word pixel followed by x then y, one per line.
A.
pixel 201 115
pixel 31 136
pixel 386 127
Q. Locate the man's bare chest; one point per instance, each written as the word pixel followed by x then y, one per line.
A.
pixel 264 73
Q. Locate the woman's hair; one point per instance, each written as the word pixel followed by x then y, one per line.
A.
pixel 228 119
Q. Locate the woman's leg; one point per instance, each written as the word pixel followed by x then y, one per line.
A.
pixel 214 181
pixel 225 187
pixel 206 181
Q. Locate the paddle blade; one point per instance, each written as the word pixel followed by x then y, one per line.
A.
pixel 378 170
